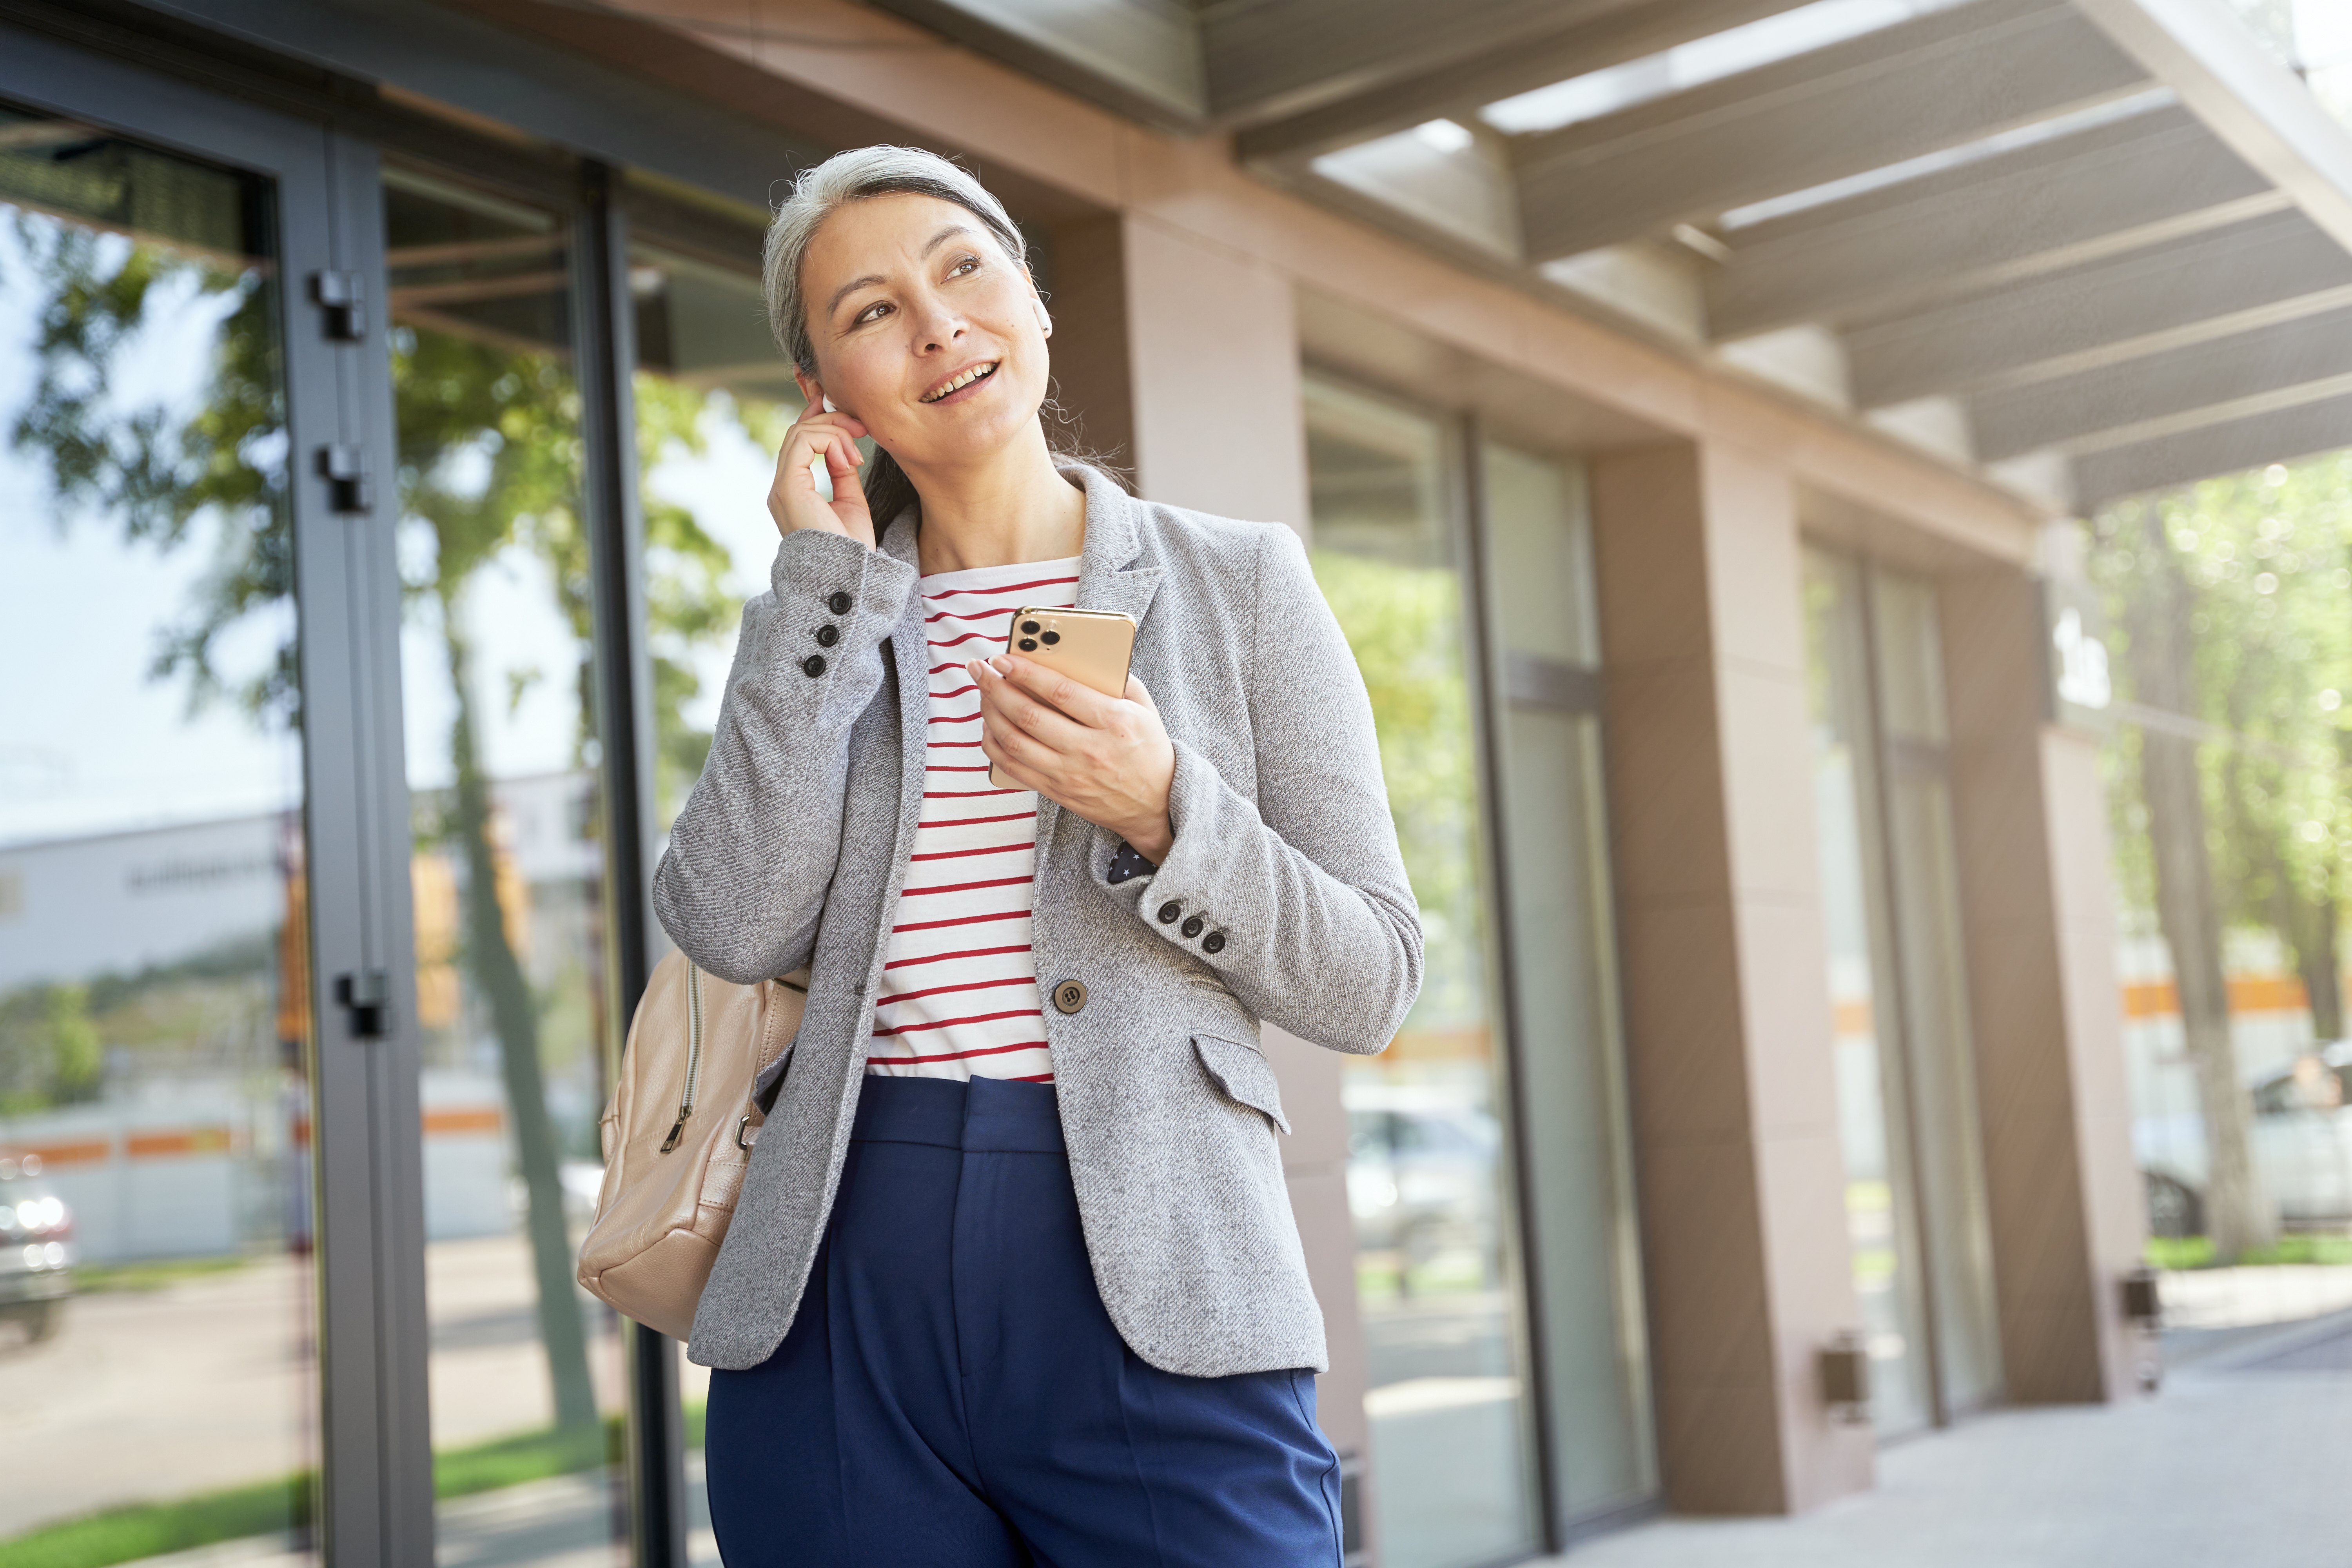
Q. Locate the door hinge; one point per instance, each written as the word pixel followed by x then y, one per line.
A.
pixel 345 469
pixel 343 304
pixel 366 995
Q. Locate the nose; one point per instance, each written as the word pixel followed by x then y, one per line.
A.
pixel 937 324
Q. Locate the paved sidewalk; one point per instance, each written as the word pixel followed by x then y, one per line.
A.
pixel 2244 1457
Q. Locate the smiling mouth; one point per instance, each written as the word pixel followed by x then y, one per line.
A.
pixel 959 382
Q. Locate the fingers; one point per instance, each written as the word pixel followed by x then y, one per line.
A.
pixel 1138 694
pixel 1005 702
pixel 1079 700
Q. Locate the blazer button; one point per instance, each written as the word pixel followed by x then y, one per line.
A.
pixel 827 635
pixel 1213 942
pixel 1193 927
pixel 813 665
pixel 1070 996
pixel 838 603
pixel 1168 911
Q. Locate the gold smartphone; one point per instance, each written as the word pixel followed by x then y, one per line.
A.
pixel 1091 646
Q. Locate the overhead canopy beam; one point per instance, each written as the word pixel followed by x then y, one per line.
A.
pixel 2211 286
pixel 2114 188
pixel 1139 58
pixel 2252 101
pixel 1589 39
pixel 1908 90
pixel 2167 387
pixel 2174 460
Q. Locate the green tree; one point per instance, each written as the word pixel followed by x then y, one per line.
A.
pixel 2235 602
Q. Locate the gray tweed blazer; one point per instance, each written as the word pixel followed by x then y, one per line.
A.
pixel 792 846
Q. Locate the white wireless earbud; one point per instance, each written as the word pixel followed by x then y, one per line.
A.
pixel 829 407
pixel 1045 321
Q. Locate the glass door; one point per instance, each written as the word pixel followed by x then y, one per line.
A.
pixel 507 864
pixel 199 1334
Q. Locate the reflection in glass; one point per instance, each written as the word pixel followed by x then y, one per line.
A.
pixel 1570 1055
pixel 155 1285
pixel 714 399
pixel 1437 1265
pixel 509 868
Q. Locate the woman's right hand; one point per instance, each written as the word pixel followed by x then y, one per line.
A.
pixel 796 503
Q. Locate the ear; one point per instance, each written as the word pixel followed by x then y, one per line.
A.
pixel 811 393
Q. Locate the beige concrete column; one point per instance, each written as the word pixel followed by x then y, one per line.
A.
pixel 1726 992
pixel 1201 359
pixel 2061 1189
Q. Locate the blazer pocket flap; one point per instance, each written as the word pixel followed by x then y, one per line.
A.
pixel 1243 1073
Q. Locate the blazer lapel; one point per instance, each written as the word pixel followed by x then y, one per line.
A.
pixel 1108 578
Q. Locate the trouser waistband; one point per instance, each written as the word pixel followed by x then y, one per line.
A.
pixel 985 1115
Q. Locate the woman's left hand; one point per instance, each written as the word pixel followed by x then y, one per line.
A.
pixel 1108 759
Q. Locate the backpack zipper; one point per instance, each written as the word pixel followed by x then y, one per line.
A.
pixel 693 1055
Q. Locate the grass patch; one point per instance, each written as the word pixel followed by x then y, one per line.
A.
pixel 135 1531
pixel 151 1529
pixel 2197 1251
pixel 91 1278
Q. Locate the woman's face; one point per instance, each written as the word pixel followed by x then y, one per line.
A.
pixel 923 329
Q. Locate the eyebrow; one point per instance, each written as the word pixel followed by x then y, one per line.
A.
pixel 855 284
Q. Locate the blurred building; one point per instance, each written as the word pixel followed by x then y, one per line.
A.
pixel 1683 401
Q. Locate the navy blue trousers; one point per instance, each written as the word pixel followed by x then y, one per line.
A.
pixel 953 1393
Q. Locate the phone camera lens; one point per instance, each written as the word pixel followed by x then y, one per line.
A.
pixel 1029 627
pixel 1028 645
pixel 1050 638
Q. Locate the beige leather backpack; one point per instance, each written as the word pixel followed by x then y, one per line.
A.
pixel 678 1135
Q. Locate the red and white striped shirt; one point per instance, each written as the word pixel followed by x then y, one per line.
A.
pixel 959 995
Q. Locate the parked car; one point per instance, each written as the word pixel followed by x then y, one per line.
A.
pixel 37 1252
pixel 2302 1147
pixel 2303 1135
pixel 1421 1174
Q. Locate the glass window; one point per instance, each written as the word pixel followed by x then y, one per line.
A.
pixel 1582 1221
pixel 1438 1274
pixel 1915 1191
pixel 156 1289
pixel 509 868
pixel 1922 862
pixel 714 398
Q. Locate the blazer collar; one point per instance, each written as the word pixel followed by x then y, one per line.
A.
pixel 1108 576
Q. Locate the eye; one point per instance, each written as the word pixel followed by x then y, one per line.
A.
pixel 964 265
pixel 871 314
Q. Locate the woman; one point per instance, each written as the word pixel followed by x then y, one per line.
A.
pixel 1010 1283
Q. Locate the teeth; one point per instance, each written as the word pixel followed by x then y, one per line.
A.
pixel 966 379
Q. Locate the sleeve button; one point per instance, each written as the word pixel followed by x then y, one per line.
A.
pixel 1168 911
pixel 1213 942
pixel 827 635
pixel 813 665
pixel 839 604
pixel 1193 927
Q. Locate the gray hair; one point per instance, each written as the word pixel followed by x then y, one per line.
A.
pixel 850 176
